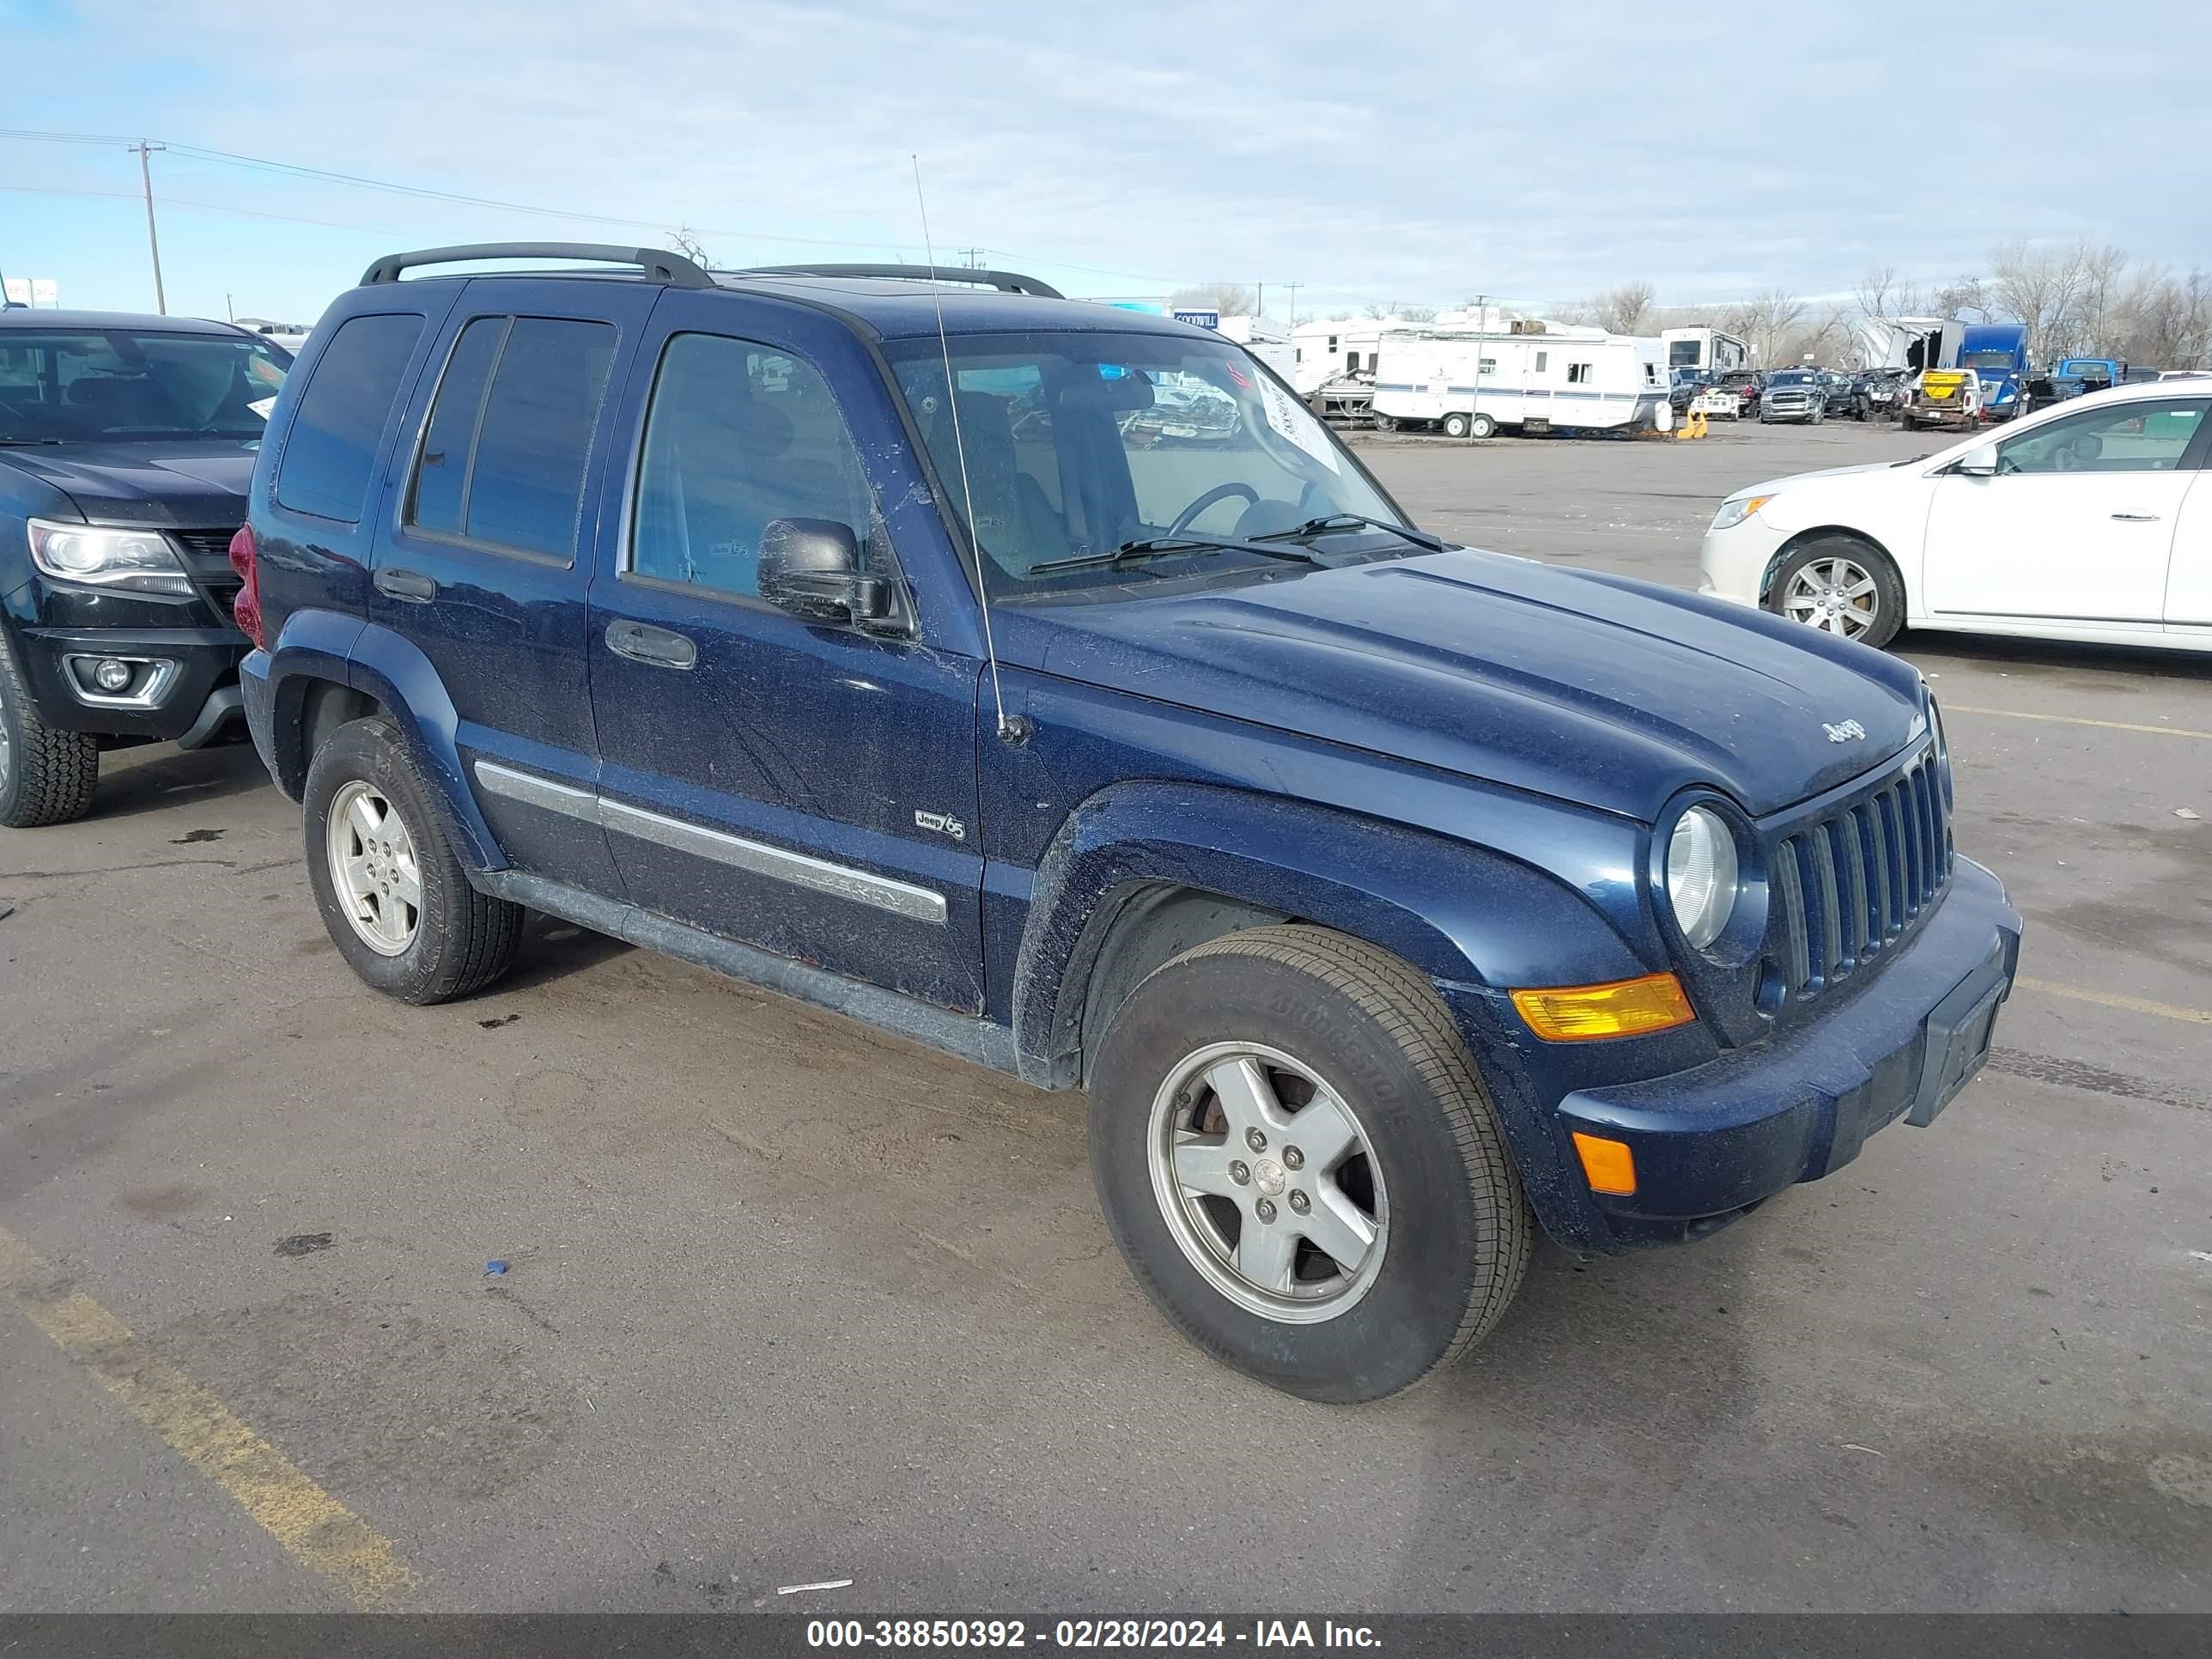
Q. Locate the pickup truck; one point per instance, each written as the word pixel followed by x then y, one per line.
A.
pixel 1390 901
pixel 2069 377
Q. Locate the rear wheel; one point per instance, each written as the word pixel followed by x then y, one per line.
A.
pixel 1299 1163
pixel 1481 426
pixel 46 776
pixel 393 895
pixel 1457 426
pixel 1841 586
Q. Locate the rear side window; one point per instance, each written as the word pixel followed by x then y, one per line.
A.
pixel 332 448
pixel 504 455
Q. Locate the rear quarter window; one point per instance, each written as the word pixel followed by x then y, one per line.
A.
pixel 331 451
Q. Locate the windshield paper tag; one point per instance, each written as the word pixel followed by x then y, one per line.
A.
pixel 261 407
pixel 1294 421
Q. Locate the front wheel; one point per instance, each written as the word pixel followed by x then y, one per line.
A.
pixel 1841 586
pixel 1301 1166
pixel 393 895
pixel 46 776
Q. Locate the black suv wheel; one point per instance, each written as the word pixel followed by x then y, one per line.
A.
pixel 1301 1166
pixel 46 776
pixel 395 898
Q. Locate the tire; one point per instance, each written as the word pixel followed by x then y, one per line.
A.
pixel 1843 555
pixel 46 776
pixel 1480 425
pixel 1817 417
pixel 1457 426
pixel 1428 1174
pixel 460 940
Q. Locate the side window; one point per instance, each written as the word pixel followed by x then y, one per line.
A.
pixel 1485 365
pixel 2131 438
pixel 332 448
pixel 440 494
pixel 1542 359
pixel 1578 373
pixel 738 434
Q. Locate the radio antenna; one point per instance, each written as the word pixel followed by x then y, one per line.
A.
pixel 1009 730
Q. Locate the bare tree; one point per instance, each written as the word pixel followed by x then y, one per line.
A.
pixel 1882 293
pixel 1625 309
pixel 1766 323
pixel 1967 298
pixel 1417 313
pixel 2162 320
pixel 2052 291
pixel 688 246
pixel 1230 299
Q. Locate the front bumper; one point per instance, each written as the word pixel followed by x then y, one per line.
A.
pixel 191 674
pixel 1713 1142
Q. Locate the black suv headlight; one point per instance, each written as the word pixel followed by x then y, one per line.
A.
pixel 1702 873
pixel 108 555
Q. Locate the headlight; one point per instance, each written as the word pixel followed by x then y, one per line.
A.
pixel 108 557
pixel 1701 875
pixel 1734 512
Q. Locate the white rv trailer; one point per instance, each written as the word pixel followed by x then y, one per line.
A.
pixel 1533 377
pixel 1265 339
pixel 1706 349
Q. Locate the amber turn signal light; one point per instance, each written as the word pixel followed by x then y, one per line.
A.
pixel 1608 1165
pixel 1627 1007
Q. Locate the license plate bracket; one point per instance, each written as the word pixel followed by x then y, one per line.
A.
pixel 1959 1029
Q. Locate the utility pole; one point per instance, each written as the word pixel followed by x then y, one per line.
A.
pixel 974 256
pixel 144 151
pixel 1294 288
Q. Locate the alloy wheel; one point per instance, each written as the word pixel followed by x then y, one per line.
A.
pixel 374 869
pixel 1837 595
pixel 1267 1182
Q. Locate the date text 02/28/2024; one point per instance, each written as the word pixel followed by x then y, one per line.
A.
pixel 1076 1634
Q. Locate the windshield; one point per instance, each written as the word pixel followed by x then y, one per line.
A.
pixel 1081 443
pixel 107 385
pixel 1793 377
pixel 1986 359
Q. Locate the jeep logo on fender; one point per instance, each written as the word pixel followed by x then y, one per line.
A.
pixel 1844 731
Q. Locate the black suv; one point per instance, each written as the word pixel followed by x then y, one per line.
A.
pixel 126 444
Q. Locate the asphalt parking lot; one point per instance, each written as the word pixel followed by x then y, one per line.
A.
pixel 788 1302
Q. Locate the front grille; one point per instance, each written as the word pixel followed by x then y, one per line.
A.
pixel 206 554
pixel 1857 881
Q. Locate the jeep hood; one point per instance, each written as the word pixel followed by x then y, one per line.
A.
pixel 1611 693
pixel 189 484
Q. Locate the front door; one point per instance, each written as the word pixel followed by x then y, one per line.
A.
pixel 477 564
pixel 2076 525
pixel 2189 578
pixel 805 788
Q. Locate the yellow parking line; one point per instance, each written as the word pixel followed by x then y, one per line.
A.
pixel 2114 999
pixel 2075 719
pixel 321 1534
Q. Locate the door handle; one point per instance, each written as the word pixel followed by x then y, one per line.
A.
pixel 411 586
pixel 656 647
pixel 2137 518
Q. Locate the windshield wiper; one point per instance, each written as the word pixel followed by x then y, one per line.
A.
pixel 1353 520
pixel 1158 547
pixel 27 442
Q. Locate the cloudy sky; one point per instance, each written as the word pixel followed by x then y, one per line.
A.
pixel 1411 152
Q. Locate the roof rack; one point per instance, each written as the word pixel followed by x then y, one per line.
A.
pixel 1006 282
pixel 654 265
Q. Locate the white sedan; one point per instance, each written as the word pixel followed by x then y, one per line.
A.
pixel 2091 519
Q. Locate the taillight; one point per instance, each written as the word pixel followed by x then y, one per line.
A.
pixel 246 608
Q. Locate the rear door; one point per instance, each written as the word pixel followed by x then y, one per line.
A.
pixel 2078 524
pixel 806 788
pixel 477 562
pixel 2189 576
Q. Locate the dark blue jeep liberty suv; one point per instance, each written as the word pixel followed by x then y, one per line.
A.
pixel 1042 683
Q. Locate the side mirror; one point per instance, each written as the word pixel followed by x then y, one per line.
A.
pixel 1978 463
pixel 812 568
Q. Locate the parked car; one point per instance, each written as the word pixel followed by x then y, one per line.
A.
pixel 1941 397
pixel 1794 394
pixel 1390 900
pixel 1684 387
pixel 1744 385
pixel 125 446
pixel 1846 398
pixel 1880 391
pixel 2088 519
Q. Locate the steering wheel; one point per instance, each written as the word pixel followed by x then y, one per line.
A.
pixel 2065 459
pixel 1219 493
